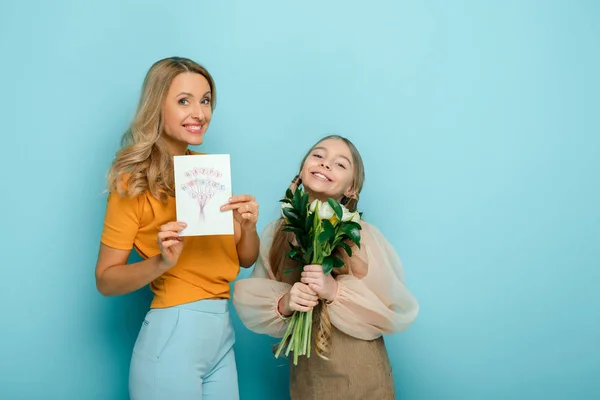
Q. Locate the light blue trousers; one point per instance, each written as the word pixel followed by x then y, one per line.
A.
pixel 185 352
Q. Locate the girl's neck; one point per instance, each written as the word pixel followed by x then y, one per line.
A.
pixel 312 196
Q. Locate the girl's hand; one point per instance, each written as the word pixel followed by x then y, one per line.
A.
pixel 325 286
pixel 170 243
pixel 245 210
pixel 300 298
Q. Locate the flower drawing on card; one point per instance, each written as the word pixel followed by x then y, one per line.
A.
pixel 202 184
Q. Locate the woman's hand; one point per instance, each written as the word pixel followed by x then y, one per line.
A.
pixel 245 210
pixel 170 243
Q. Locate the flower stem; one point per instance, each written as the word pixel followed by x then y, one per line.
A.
pixel 307 325
pixel 285 336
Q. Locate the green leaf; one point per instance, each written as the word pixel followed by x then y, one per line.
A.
pixel 331 262
pixel 296 199
pixel 290 214
pixel 328 227
pixel 336 207
pixel 337 262
pixel 327 265
pixel 295 230
pixel 309 253
pixel 293 253
pixel 303 205
pixel 299 259
pixel 288 194
pixel 328 232
pixel 345 246
pixel 309 222
pixel 352 232
pixel 353 224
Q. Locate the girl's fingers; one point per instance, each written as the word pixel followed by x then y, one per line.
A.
pixel 297 307
pixel 306 289
pixel 308 274
pixel 313 286
pixel 304 303
pixel 309 281
pixel 308 297
pixel 313 268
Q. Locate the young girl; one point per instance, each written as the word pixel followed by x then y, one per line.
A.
pixel 184 348
pixel 354 305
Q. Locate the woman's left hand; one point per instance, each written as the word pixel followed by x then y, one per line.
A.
pixel 245 210
pixel 324 285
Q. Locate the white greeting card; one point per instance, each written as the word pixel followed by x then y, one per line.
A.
pixel 202 186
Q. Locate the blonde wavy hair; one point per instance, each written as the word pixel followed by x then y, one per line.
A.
pixel 144 163
pixel 280 263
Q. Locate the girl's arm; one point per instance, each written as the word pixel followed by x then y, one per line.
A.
pixel 373 300
pixel 256 298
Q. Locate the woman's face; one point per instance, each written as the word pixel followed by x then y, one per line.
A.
pixel 186 111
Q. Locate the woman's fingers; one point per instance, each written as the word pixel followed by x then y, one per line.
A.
pixel 175 226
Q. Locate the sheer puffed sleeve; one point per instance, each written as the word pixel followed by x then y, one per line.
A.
pixel 256 298
pixel 373 299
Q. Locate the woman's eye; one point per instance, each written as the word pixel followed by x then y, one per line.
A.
pixel 183 102
pixel 205 101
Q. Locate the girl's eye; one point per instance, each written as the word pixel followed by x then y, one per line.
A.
pixel 317 155
pixel 183 102
pixel 341 165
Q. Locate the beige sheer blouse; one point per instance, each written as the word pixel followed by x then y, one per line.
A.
pixel 372 300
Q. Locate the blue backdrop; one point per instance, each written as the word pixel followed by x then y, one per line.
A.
pixel 478 122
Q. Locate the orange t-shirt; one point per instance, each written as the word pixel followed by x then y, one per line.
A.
pixel 207 263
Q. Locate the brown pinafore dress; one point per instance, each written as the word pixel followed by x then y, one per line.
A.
pixel 356 370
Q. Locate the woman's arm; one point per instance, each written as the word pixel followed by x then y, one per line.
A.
pixel 115 277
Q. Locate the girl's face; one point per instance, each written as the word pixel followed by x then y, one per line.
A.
pixel 328 170
pixel 186 111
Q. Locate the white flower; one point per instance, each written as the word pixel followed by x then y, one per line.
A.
pixel 325 211
pixel 347 216
pixel 284 206
pixel 313 206
pixel 355 217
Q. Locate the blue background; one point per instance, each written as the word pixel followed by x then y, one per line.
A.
pixel 478 122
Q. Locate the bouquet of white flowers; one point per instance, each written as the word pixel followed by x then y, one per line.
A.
pixel 319 228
